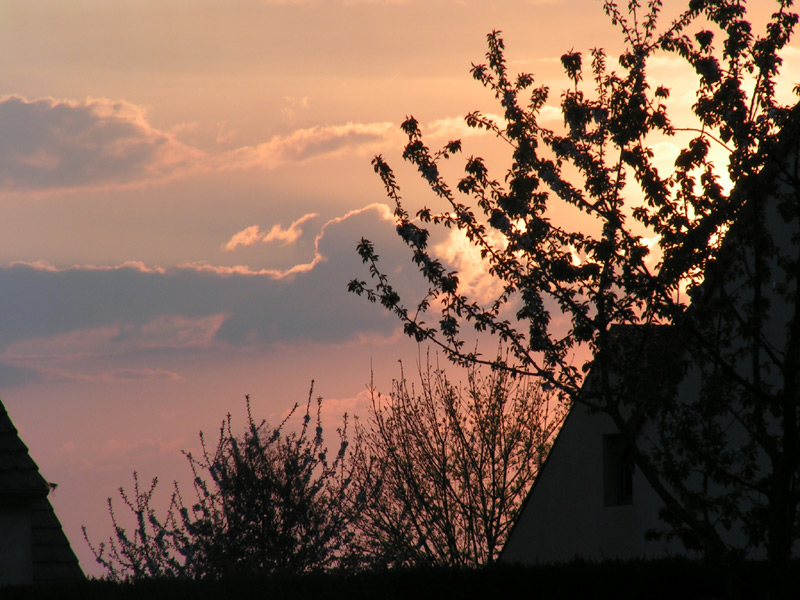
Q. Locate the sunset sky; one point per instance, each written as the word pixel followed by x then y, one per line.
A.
pixel 182 187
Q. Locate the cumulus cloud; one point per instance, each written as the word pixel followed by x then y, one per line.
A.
pixel 334 408
pixel 253 234
pixel 474 279
pixel 49 143
pixel 113 325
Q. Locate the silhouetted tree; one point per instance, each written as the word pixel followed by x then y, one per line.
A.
pixel 449 466
pixel 267 502
pixel 725 274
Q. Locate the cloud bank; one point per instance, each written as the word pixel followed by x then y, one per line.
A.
pixel 50 144
pixel 50 315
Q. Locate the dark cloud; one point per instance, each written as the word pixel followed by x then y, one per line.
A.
pixel 48 143
pixel 129 308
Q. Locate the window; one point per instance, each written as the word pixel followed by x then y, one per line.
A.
pixel 617 471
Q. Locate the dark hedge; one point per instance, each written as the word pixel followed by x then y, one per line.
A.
pixel 654 580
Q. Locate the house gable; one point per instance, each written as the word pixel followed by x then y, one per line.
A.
pixel 33 547
pixel 579 505
pixel 571 510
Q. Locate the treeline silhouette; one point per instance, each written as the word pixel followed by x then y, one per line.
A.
pixel 434 476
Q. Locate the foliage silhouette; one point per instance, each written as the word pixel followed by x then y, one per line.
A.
pixel 266 502
pixel 575 213
pixel 434 477
pixel 449 466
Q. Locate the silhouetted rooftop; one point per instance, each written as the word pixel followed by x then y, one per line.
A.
pixel 21 485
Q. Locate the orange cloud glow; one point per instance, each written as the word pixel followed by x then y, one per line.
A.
pixel 253 234
pixel 307 144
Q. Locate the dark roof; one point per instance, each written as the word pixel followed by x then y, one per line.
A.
pixel 19 476
pixel 21 484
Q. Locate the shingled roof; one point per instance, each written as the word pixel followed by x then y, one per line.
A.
pixel 22 485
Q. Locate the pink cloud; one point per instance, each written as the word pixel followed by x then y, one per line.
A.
pixel 303 145
pixel 253 234
pixel 244 270
pixel 51 144
pixel 134 265
pixel 115 376
pixel 290 235
pixel 162 332
pixel 246 237
pixel 287 234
